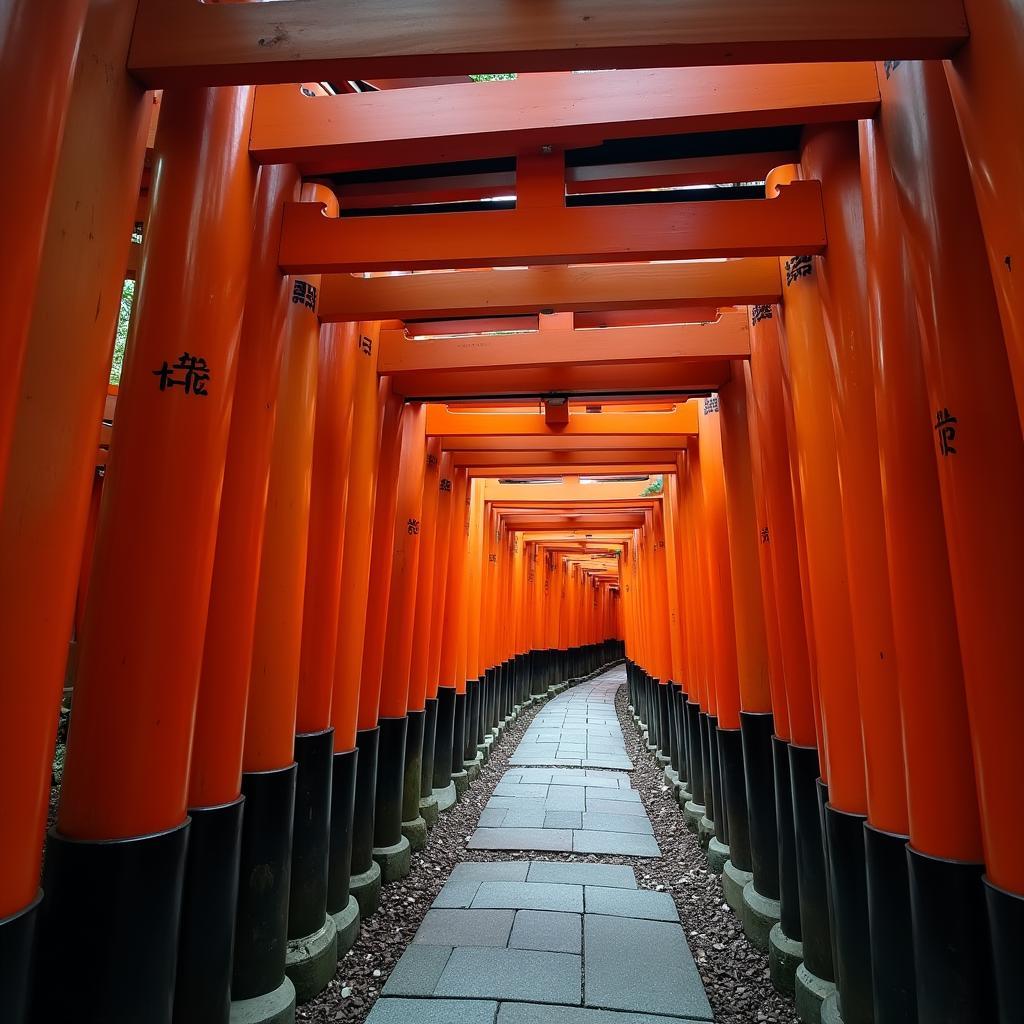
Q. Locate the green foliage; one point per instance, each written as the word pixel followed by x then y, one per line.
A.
pixel 124 316
pixel 493 78
pixel 656 486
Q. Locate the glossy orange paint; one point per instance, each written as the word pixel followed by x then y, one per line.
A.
pixel 219 733
pixel 143 636
pixel 425 625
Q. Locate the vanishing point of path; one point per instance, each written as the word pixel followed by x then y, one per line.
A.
pixel 544 942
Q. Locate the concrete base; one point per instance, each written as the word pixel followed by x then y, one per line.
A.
pixel 395 861
pixel 684 796
pixel 830 1010
pixel 416 832
pixel 664 760
pixel 652 748
pixel 693 814
pixel 366 890
pixel 671 775
pixel 346 922
pixel 483 751
pixel 277 1007
pixel 473 769
pixel 810 992
pixel 717 855
pixel 312 960
pixel 734 881
pixel 705 832
pixel 785 955
pixel 460 780
pixel 429 810
pixel 446 797
pixel 760 914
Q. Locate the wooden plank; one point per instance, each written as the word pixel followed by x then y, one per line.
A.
pixel 182 42
pixel 479 120
pixel 560 289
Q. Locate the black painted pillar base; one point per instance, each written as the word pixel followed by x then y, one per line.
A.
pixel 713 800
pixel 844 833
pixel 473 717
pixel 734 797
pixel 756 729
pixel 1006 922
pixel 206 939
pixel 673 726
pixel 815 928
pixel 367 742
pixel 343 801
pixel 443 737
pixel 459 776
pixel 952 955
pixel 414 827
pixel 693 752
pixel 789 888
pixel 664 736
pixel 429 736
pixel 264 884
pixel 307 905
pixel 97 893
pixel 17 944
pixel 387 810
pixel 892 939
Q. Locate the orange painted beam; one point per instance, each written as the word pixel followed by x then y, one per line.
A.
pixel 537 233
pixel 476 120
pixel 750 281
pixel 566 462
pixel 726 338
pixel 641 468
pixel 180 42
pixel 682 419
pixel 561 442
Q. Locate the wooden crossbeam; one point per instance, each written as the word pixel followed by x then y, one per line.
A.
pixel 442 421
pixel 539 234
pixel 558 289
pixel 444 124
pixel 182 42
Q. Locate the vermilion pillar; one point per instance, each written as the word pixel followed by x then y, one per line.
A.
pixel 269 751
pixel 203 989
pixel 141 645
pixel 45 515
pixel 38 50
pixel 349 768
pixel 980 458
pixel 391 849
pixel 936 732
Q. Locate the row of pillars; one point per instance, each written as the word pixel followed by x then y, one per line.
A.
pixel 294 637
pixel 824 631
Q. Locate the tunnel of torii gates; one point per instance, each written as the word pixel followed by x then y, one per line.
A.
pixel 440 394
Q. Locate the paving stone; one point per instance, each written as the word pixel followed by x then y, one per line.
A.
pixel 545 1013
pixel 487 871
pixel 492 817
pixel 566 798
pixel 531 818
pixel 546 930
pixel 563 819
pixel 417 971
pixel 521 974
pixel 552 839
pixel 466 928
pixel 602 806
pixel 535 791
pixel 529 896
pixel 601 822
pixel 658 976
pixel 640 903
pixel 608 762
pixel 618 876
pixel 456 894
pixel 623 844
pixel 613 793
pixel 593 782
pixel 433 1011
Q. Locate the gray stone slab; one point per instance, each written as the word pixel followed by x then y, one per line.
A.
pixel 563 819
pixel 488 871
pixel 547 930
pixel 613 793
pixel 641 903
pixel 532 817
pixel 433 1011
pixel 591 782
pixel 521 974
pixel 566 798
pixel 466 928
pixel 554 840
pixel 623 844
pixel 522 790
pixel 417 971
pixel 618 876
pixel 456 894
pixel 545 1013
pixel 607 762
pixel 629 807
pixel 601 822
pixel 492 817
pixel 658 975
pixel 529 896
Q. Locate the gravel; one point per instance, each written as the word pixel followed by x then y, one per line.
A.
pixel 734 973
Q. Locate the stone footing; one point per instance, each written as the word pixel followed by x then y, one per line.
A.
pixel 277 1007
pixel 810 991
pixel 346 923
pixel 760 915
pixel 394 861
pixel 311 961
pixel 830 1010
pixel 734 881
pixel 693 814
pixel 705 832
pixel 365 888
pixel 785 955
pixel 429 809
pixel 446 797
pixel 717 854
pixel 460 780
pixel 416 832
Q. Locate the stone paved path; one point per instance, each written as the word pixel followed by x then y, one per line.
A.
pixel 536 942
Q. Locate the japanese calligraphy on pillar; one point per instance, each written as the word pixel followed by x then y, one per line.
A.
pixel 304 294
pixel 945 426
pixel 194 375
pixel 797 267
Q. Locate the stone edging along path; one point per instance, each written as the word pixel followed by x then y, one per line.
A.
pixel 734 974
